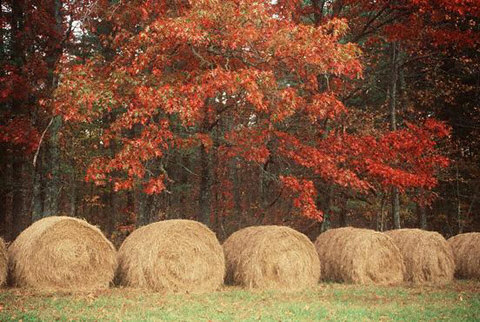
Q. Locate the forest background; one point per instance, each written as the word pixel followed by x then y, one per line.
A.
pixel 312 114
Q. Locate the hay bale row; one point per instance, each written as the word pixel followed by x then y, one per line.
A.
pixel 62 253
pixel 65 253
pixel 427 255
pixel 466 250
pixel 172 255
pixel 271 257
pixel 3 262
pixel 359 256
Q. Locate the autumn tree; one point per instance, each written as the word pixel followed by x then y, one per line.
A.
pixel 246 86
pixel 34 34
pixel 404 43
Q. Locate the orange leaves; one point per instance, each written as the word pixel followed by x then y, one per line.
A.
pixel 322 160
pixel 19 131
pixel 248 143
pixel 406 158
pixel 325 105
pixel 155 185
pixel 82 96
pixel 304 194
pixel 437 128
pixel 180 30
pixel 197 139
pixel 241 79
pixel 290 102
pixel 127 166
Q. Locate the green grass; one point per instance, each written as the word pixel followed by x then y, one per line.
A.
pixel 459 301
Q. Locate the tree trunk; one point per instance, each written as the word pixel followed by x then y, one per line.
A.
pixel 393 126
pixel 327 212
pixel 237 198
pixel 422 212
pixel 460 219
pixel 19 218
pixel 109 213
pixel 381 217
pixel 204 200
pixel 3 147
pixel 37 193
pixel 141 206
pixel 5 192
pixel 343 222
pixel 396 208
pixel 73 194
pixel 52 169
pixel 19 212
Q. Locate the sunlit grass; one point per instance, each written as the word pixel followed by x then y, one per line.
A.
pixel 456 301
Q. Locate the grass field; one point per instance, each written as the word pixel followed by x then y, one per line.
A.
pixel 459 301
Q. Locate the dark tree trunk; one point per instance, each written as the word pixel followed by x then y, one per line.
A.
pixel 396 208
pixel 5 191
pixel 141 207
pixel 19 212
pixel 237 198
pixel 52 169
pixel 326 223
pixel 381 215
pixel 422 217
pixel 20 217
pixel 343 222
pixel 393 126
pixel 73 193
pixel 109 211
pixel 3 146
pixel 204 200
pixel 37 193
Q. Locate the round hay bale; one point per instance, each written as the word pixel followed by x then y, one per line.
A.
pixel 466 252
pixel 3 262
pixel 62 253
pixel 427 255
pixel 172 256
pixel 359 256
pixel 271 257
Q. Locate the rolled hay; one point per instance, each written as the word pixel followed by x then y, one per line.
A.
pixel 271 257
pixel 359 256
pixel 466 252
pixel 62 254
pixel 427 255
pixel 3 262
pixel 180 256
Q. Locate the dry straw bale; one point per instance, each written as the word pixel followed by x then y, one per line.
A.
pixel 271 257
pixel 3 262
pixel 62 253
pixel 466 251
pixel 427 255
pixel 172 256
pixel 360 256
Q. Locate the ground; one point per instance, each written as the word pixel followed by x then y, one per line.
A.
pixel 458 301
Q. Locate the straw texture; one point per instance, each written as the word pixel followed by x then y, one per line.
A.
pixel 271 257
pixel 179 256
pixel 427 255
pixel 62 253
pixel 466 251
pixel 359 256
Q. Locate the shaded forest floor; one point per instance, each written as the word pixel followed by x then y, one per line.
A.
pixel 457 301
